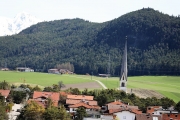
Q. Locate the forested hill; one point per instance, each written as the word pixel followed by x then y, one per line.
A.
pixel 153 44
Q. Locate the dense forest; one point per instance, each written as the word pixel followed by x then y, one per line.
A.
pixel 153 45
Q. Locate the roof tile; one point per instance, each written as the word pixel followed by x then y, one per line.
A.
pixel 80 97
pixel 5 93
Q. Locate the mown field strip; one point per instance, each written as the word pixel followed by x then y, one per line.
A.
pixel 43 79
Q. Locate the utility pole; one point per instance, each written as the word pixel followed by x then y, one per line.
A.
pixel 91 75
pixel 109 67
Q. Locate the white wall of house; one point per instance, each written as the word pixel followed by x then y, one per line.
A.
pixel 159 112
pixel 94 119
pixel 125 115
pixel 106 117
pixel 74 109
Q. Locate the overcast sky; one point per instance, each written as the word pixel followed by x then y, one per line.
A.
pixel 92 10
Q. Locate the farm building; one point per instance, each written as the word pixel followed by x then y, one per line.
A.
pixel 24 69
pixel 4 69
pixel 53 71
pixel 65 71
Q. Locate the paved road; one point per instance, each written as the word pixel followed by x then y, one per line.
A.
pixel 13 114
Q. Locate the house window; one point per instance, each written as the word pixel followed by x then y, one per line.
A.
pixel 176 115
pixel 124 117
pixel 168 115
pixel 149 108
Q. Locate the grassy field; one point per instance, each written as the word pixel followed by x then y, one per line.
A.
pixel 43 79
pixel 167 85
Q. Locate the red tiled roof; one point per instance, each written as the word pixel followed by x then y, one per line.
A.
pixel 38 102
pixel 82 104
pixel 113 106
pixel 80 97
pixel 72 102
pixel 43 104
pixel 135 111
pixel 147 117
pixel 5 93
pixel 63 93
pixel 52 95
pixel 116 103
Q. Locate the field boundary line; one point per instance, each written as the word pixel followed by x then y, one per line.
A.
pixel 90 79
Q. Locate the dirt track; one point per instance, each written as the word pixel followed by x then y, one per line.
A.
pixel 81 86
pixel 144 93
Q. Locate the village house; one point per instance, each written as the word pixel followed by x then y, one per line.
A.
pixel 42 97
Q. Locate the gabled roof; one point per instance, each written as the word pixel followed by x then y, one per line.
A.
pixel 80 97
pixel 72 102
pixel 152 109
pixel 82 104
pixel 52 95
pixel 116 103
pixel 38 102
pixel 5 93
pixel 147 117
pixel 112 106
pixel 43 104
pixel 135 111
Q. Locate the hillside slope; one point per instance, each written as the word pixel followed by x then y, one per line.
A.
pixel 153 44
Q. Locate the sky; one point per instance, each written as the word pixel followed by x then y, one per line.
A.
pixel 91 10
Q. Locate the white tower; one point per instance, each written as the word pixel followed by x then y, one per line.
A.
pixel 123 75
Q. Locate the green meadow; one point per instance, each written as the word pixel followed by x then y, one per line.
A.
pixel 168 86
pixel 42 79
